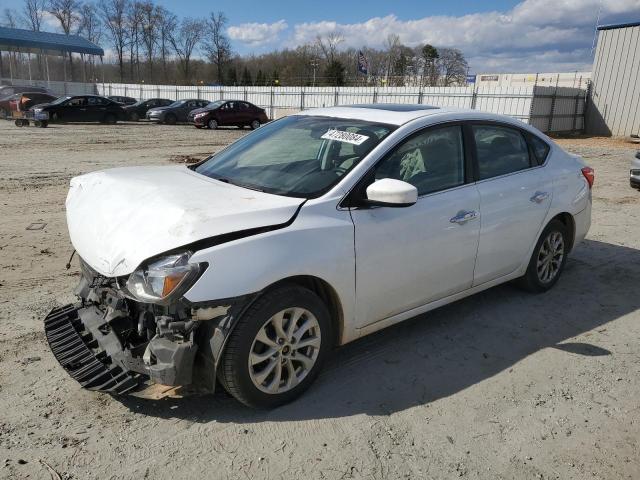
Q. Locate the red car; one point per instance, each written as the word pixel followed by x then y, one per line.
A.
pixel 228 112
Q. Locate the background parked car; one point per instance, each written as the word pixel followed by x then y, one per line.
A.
pixel 9 90
pixel 176 112
pixel 229 112
pixel 634 174
pixel 83 108
pixel 139 109
pixel 122 100
pixel 21 102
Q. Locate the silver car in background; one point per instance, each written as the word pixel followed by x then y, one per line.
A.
pixel 634 173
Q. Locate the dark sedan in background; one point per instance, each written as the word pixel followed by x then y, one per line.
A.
pixel 81 108
pixel 139 109
pixel 176 112
pixel 122 100
pixel 236 113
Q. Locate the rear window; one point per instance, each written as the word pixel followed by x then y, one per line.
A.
pixel 540 149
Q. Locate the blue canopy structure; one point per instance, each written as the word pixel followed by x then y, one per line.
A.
pixel 27 41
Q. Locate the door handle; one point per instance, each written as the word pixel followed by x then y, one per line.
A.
pixel 463 217
pixel 539 197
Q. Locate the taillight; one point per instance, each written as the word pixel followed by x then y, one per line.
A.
pixel 589 174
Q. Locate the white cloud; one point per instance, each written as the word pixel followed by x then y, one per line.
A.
pixel 256 34
pixel 534 35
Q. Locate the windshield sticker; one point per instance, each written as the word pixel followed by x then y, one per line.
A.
pixel 347 137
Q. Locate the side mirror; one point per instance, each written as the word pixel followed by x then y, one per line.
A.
pixel 389 192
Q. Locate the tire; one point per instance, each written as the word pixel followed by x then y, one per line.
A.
pixel 44 124
pixel 170 119
pixel 255 124
pixel 19 123
pixel 110 119
pixel 537 279
pixel 134 117
pixel 4 113
pixel 212 124
pixel 242 379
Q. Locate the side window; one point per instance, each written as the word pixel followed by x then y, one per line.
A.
pixel 76 102
pixel 95 101
pixel 431 160
pixel 501 150
pixel 540 149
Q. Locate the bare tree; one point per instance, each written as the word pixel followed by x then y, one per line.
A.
pixel 453 66
pixel 33 12
pixel 185 41
pixel 66 12
pixel 91 29
pixel 114 18
pixel 167 23
pixel 134 22
pixel 217 46
pixel 10 18
pixel 149 26
pixel 392 44
pixel 329 45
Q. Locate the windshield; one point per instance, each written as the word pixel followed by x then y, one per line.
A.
pixel 59 100
pixel 298 156
pixel 176 104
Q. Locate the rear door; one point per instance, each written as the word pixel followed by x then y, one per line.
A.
pixel 96 109
pixel 515 195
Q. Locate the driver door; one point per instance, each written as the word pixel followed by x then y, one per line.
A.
pixel 408 257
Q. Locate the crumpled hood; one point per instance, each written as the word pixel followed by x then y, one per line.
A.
pixel 120 217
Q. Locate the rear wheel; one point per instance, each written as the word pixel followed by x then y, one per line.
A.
pixel 255 124
pixel 548 258
pixel 277 349
pixel 44 124
pixel 212 124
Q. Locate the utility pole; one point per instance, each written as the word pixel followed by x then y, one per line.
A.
pixel 314 64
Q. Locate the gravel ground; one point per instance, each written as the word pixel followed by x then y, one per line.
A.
pixel 500 385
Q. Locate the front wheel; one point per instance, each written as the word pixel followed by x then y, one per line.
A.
pixel 255 124
pixel 170 119
pixel 548 258
pixel 212 124
pixel 110 119
pixel 277 349
pixel 134 117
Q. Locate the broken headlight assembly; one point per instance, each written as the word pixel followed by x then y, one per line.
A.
pixel 163 279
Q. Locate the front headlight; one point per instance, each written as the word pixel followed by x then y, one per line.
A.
pixel 164 278
pixel 199 115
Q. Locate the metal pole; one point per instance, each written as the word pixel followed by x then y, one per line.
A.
pixel 553 106
pixel 29 63
pixel 46 62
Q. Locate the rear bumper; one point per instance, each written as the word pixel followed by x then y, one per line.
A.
pixel 583 223
pixel 91 351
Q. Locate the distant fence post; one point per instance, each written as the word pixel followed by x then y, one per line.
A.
pixel 420 95
pixel 221 93
pixel 246 94
pixel 474 96
pixel 575 111
pixel 301 98
pixel 375 95
pixel 198 92
pixel 553 106
pixel 126 90
pixel 140 97
pixel 335 97
pixel 271 103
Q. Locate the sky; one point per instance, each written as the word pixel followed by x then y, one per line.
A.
pixel 495 35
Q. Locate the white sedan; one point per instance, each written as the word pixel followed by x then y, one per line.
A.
pixel 308 233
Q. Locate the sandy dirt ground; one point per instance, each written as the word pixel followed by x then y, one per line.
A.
pixel 501 385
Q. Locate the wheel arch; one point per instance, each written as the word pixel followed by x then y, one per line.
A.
pixel 327 294
pixel 567 219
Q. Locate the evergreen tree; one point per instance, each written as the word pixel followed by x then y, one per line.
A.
pixel 232 78
pixel 335 73
pixel 246 77
pixel 260 80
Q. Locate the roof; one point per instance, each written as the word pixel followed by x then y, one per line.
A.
pixel 14 39
pixel 390 113
pixel 613 26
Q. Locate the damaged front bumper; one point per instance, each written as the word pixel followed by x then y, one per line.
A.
pixel 111 344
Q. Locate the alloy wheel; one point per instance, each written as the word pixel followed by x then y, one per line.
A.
pixel 284 350
pixel 550 257
pixel 255 124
